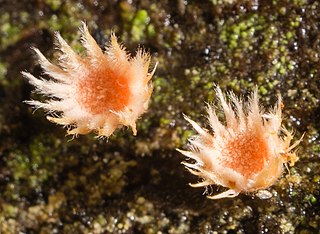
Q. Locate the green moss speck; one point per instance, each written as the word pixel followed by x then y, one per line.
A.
pixel 139 25
pixel 54 4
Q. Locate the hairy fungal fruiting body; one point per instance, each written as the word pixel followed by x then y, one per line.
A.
pixel 247 154
pixel 99 92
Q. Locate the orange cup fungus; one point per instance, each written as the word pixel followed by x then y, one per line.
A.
pixel 245 155
pixel 97 92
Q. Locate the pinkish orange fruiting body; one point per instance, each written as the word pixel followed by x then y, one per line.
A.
pixel 97 92
pixel 245 155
